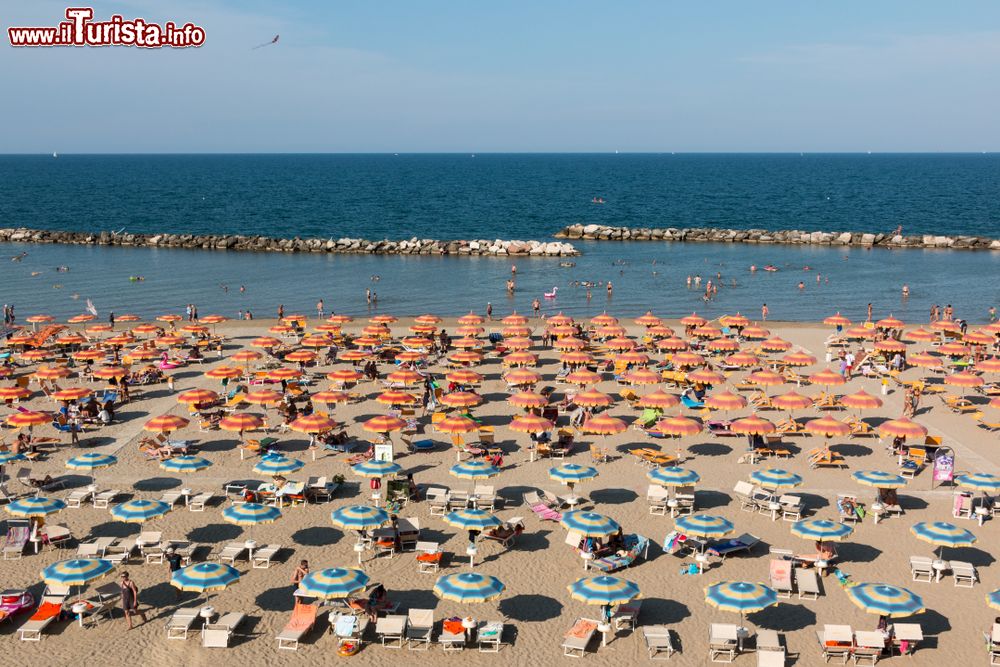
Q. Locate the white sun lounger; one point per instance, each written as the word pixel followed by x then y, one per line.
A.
pixel 231 552
pixel 658 641
pixel 179 625
pixel 574 646
pixel 198 502
pixel 262 557
pixel 104 498
pixel 808 584
pixel 76 498
pixel 419 628
pixel 392 629
pixel 302 621
pixel 219 633
pixel 32 630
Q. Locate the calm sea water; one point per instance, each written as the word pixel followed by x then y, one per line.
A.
pixel 505 196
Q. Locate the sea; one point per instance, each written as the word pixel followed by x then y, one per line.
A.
pixel 505 196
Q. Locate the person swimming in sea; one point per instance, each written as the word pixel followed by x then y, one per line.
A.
pixel 136 279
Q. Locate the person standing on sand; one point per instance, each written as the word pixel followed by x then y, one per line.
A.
pixel 111 318
pixel 536 307
pixel 993 314
pixel 299 574
pixel 130 600
pixel 174 562
pixel 763 313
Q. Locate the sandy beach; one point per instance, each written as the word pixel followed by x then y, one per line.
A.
pixel 535 606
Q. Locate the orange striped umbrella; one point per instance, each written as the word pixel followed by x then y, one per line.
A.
pixel 91 354
pixel 28 418
pixel 603 320
pixel 562 330
pixel 169 318
pixel 798 359
pixel 583 377
pixel 559 319
pixel 991 365
pixel 889 323
pixel 693 320
pixel 427 319
pixel 775 344
pixel 903 428
pixel 108 372
pixel 456 424
pixel 71 394
pixel 766 378
pixel 604 425
pixel 165 423
pixel 471 318
pixel 575 358
pixel 382 319
pixel 327 328
pixel 14 393
pixel 128 317
pixel 461 399
pixel 71 339
pixel 284 373
pixel 281 329
pixel 736 320
pixel 672 344
pixel 344 375
pixel 954 349
pixel 519 377
pixel 301 356
pixel 514 319
pixel 241 422
pixel 415 341
pixel 890 345
pixel 620 344
pixel 469 330
pixel 36 355
pixel 197 396
pixel 678 426
pixel 742 359
pixel 52 372
pixel 384 424
pixel 99 328
pixel 530 424
pixel 466 376
pixel 995 402
pixel 964 379
pixel 466 357
pixel 639 358
pixel 828 378
pixel 339 319
pixel 316 341
pixel 755 333
pixel 520 359
pixel 569 343
pixel 80 319
pixel 978 338
pixel 247 355
pixel 19 339
pixel 516 331
pixel 642 376
pixel 39 319
pixel 328 396
pixel 143 329
pixel 214 319
pixel 682 359
pixel 377 330
pixel 265 342
pixel 706 332
pixel 861 400
pixel 610 331
pixel 725 400
pixel 791 401
pixel 144 353
pixel 409 356
pixel 828 427
pixel 194 328
pixel 263 396
pixel 467 343
pixel 527 399
pixel 423 329
pixel 405 376
pixel 921 336
pixel 314 423
pixel 295 318
pixel 354 355
pixel 222 372
pixel 722 345
pixel 837 320
pixel 946 325
pixel 647 320
pixel 658 400
pixel 924 360
pixel 660 331
pixel 169 340
pixel 518 343
pixel 593 399
pixel 705 376
pixel 397 398
pixel 752 425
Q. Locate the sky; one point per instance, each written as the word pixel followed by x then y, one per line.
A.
pixel 515 76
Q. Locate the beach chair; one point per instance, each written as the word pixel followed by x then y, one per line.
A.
pixel 262 557
pixel 18 533
pixel 685 501
pixel 780 574
pixel 626 616
pixel 485 497
pixel 489 636
pixel 452 637
pixel 868 647
pixel 658 642
pixel 921 569
pixel 836 642
pixel 49 609
pixel 964 573
pixel 635 546
pixel 231 552
pixel 391 629
pixel 791 507
pixel 428 557
pixel 808 583
pixel 963 505
pixel 120 552
pixel 419 627
pixel 849 508
pixel 318 489
pixel 76 498
pixel 541 508
pixel 437 500
pixel 722 642
pixel 745 542
pixel 171 497
pixel 576 640
pixel 657 498
pixel 103 499
pixel 219 633
pixel 200 501
pixel 179 625
pixel 408 530
pixel 302 621
pixel 744 493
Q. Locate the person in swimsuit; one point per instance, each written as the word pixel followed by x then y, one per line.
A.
pixel 130 600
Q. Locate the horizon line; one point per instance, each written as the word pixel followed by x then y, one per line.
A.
pixel 488 152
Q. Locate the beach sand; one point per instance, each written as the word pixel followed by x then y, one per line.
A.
pixel 536 604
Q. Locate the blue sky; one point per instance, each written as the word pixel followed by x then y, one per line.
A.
pixel 556 75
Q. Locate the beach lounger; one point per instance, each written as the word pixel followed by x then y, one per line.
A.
pixel 635 546
pixel 657 498
pixel 964 573
pixel 171 497
pixel 392 629
pixel 18 533
pixel 780 574
pixel 49 608
pixel 744 493
pixel 722 548
pixel 231 552
pixel 419 628
pixel 180 623
pixel 452 637
pixel 428 557
pixel 437 500
pixel 770 658
pixel 489 635
pixel 318 489
pixel 198 502
pixel 808 583
pixel 262 557
pixel 921 569
pixel 76 498
pixel 722 642
pixel 626 616
pixel 791 507
pixel 103 499
pixel 836 642
pixel 219 633
pixel 575 641
pixel 302 621
pixel 658 642
pixel 868 647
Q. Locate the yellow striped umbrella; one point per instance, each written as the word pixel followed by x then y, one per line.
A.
pixel 466 357
pixel 642 376
pixel 71 394
pixel 837 320
pixel 28 418
pixel 197 396
pixel 383 319
pixel 518 343
pixel 725 400
pixel 766 378
pixel 71 339
pixel 659 400
pixel 265 342
pixel 241 422
pixel 14 393
pixel 222 372
pixel 722 345
pixel 921 335
pixel 169 318
pixel 301 356
pixel 36 355
pixel 395 397
pixel 861 400
pixel 456 424
pixel 798 359
pixel 924 360
pixel 467 343
pixel 752 425
pixel 530 424
pixel 647 320
pixel 583 377
pixel 632 357
pixel 263 397
pixel 361 341
pixel 52 372
pixel 340 319
pixel 166 423
pixel 405 376
pixel 891 346
pixel 520 359
pixel 604 425
pixel 559 319
pixel 705 376
pixel 673 344
pixel 465 376
pixel 314 423
pixel 742 359
pixel 776 344
pixel 889 323
pixel 471 318
pixel 80 319
pixel 284 373
pixel 168 341
pixel 903 428
pixel 828 427
pixel 145 329
pixel 344 375
pixel 569 343
pixel 575 358
pixel 736 320
pixel 247 355
pixel 946 325
pixel 791 401
pixel 384 424
pixel 682 359
pixel 427 319
pixel 516 332
pixel 410 356
pixel 678 426
pixel 514 319
pixel 316 341
pixel 331 397
pixel 755 333
pixel 593 399
pixel 527 399
pixel 461 399
pixel 706 332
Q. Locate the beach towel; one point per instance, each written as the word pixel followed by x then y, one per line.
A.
pixel 345 626
pixel 582 629
pixel 453 626
pixel 46 610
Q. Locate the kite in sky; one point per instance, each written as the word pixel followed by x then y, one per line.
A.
pixel 273 41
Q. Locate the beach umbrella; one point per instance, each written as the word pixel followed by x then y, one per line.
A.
pixel 143 329
pixel 890 346
pixel 461 399
pixel 603 590
pixel 91 461
pixel 166 423
pixel 693 320
pixel 704 525
pixel 224 372
pixel 859 332
pixel 775 478
pixel 408 356
pixel 527 399
pixel 275 464
pixel 530 424
pixel 620 344
pixel 604 425
pixel 360 341
pixel 467 343
pixel 263 397
pixel 139 510
pixel 660 331
pixel 561 330
pixel 902 427
pixel 736 321
pixel 35 506
pixel 752 425
pixel 515 319
pixel 247 356
pixel 343 375
pixel 299 356
pixel 89 355
pixel 678 426
pixel 471 519
pixel 706 377
pixel 647 320
pixel 885 599
pixel 673 476
pixel 144 353
pixel 465 376
pixel 821 530
pixel 828 427
pixel 284 373
pixel 742 360
pixel 879 479
pixel 519 377
pixel 521 358
pixel 265 342
pixel 953 349
pixel 456 424
pixel 314 423
pixel 185 464
pixel 978 338
pixel 251 514
pixel 593 399
pixel 861 400
pixel 197 397
pixel 241 422
pixel 979 481
pixel 672 344
pixel 603 320
pixel 921 335
pixel 474 470
pixel 995 402
pixel 964 379
pixel 742 597
pixel 204 577
pixel 359 517
pixel 29 418
pixel 791 401
pixel 725 400
pixel 109 372
pixel 169 340
pixel 376 469
pixel 10 457
pixel 76 571
pixel 58 372
pixel 991 365
pixel 722 345
pixel 658 400
pixel 80 319
pixel 71 394
pixel 798 359
pixel 569 343
pixel 14 393
pixel 571 473
pixel 468 587
pixel 706 332
pixel 396 397
pixel 466 357
pixel 775 344
pixel 756 333
pixel 889 323
pixel 333 583
pixel 942 534
pixel 340 319
pixel 837 320
pixel 583 377
pixel 317 341
pixel 37 355
pixel 642 376
pixel 633 357
pixel 589 524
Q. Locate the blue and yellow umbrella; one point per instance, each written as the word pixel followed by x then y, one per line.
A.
pixel 371 469
pixel 359 517
pixel 474 470
pixel 885 599
pixel 277 465
pixel 204 577
pixel 743 597
pixel 35 506
pixel 188 463
pixel 942 534
pixel 570 473
pixel 91 461
pixel 251 514
pixel 468 587
pixel 9 457
pixel 775 478
pixel 821 530
pixel 879 479
pixel 993 599
pixel 980 481
pixel 76 571
pixel 589 524
pixel 603 590
pixel 704 525
pixel 673 476
pixel 471 519
pixel 333 582
pixel 139 510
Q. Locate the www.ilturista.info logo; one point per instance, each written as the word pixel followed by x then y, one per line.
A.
pixel 81 30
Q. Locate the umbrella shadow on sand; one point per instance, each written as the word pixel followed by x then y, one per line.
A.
pixel 157 484
pixel 114 529
pixel 977 557
pixel 317 536
pixel 710 449
pixel 931 622
pixel 215 532
pixel 854 552
pixel 530 608
pixel 784 617
pixel 668 612
pixel 612 496
pixel 707 500
pixel 415 598
pixel 276 599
